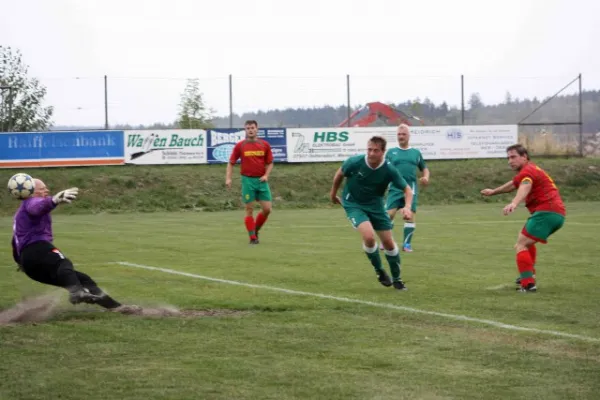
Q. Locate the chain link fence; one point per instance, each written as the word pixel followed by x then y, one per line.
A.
pixel 550 115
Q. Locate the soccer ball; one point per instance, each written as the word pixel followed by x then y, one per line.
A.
pixel 21 186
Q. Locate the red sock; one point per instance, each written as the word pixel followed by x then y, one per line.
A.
pixel 525 264
pixel 250 227
pixel 260 220
pixel 533 254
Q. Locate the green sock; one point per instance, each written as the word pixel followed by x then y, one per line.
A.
pixel 409 229
pixel 393 259
pixel 374 257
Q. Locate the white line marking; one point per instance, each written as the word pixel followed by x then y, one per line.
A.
pixel 432 223
pixel 370 303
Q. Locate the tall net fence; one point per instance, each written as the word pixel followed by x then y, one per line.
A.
pixel 555 116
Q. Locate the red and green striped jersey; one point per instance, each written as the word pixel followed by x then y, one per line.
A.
pixel 544 195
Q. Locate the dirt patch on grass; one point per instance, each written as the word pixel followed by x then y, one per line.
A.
pixel 35 309
pixel 170 311
pixel 45 307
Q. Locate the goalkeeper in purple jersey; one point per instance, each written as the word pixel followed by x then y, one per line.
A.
pixel 37 256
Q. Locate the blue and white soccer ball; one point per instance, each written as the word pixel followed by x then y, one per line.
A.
pixel 21 186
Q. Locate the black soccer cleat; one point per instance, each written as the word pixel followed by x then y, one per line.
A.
pixel 400 285
pixel 384 278
pixel 83 296
pixel 530 288
pixel 518 280
pixel 254 241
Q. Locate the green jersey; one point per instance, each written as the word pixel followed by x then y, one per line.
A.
pixel 366 185
pixel 406 162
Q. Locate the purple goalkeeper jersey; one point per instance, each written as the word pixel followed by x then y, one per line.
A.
pixel 32 223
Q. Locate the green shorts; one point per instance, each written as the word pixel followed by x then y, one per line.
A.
pixel 541 224
pixel 396 201
pixel 255 190
pixel 358 214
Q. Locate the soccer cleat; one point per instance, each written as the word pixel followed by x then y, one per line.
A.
pixel 530 288
pixel 254 241
pixel 518 280
pixel 400 285
pixel 407 248
pixel 83 296
pixel 384 278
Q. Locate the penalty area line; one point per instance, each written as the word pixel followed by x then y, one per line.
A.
pixel 456 317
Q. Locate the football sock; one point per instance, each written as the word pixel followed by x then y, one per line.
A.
pixel 393 259
pixel 66 276
pixel 374 257
pixel 409 229
pixel 250 227
pixel 260 220
pixel 525 265
pixel 533 254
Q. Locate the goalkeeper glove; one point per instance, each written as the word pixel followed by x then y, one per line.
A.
pixel 66 196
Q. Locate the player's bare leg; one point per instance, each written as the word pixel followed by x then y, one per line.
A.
pixel 392 213
pixel 263 215
pixel 525 263
pixel 392 254
pixel 367 234
pixel 249 222
pixel 409 228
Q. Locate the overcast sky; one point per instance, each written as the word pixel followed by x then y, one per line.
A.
pixel 296 54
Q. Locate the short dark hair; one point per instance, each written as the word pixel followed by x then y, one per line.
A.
pixel 251 122
pixel 380 140
pixel 520 149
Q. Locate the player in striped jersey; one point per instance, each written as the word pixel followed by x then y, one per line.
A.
pixel 543 201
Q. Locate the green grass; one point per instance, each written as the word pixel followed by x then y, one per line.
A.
pixel 142 188
pixel 301 346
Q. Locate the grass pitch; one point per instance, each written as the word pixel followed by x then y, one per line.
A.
pixel 364 341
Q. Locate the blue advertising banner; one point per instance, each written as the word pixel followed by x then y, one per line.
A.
pixel 221 143
pixel 35 149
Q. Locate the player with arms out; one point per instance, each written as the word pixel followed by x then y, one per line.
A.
pixel 256 165
pixel 407 160
pixel 36 255
pixel 368 176
pixel 543 201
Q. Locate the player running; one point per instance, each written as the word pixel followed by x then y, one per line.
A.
pixel 256 165
pixel 543 201
pixel 368 177
pixel 407 160
pixel 41 261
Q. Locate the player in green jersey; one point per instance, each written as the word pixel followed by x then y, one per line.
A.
pixel 407 160
pixel 368 176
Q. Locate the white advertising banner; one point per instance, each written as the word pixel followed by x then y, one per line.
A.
pixel 435 142
pixel 165 146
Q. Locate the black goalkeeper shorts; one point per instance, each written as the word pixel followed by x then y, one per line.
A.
pixel 41 260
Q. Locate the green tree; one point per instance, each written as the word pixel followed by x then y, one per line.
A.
pixel 21 100
pixel 193 113
pixel 475 102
